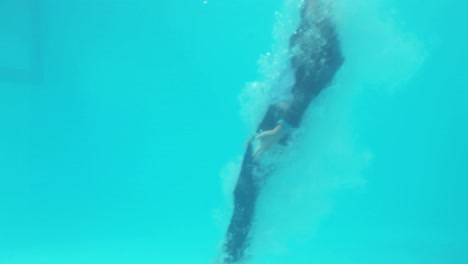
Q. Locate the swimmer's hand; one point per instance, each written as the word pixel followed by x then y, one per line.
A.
pixel 267 139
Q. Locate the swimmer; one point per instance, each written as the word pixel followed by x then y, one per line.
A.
pixel 315 58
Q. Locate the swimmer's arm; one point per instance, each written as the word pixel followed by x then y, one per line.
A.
pixel 269 138
pixel 271 132
pixel 264 134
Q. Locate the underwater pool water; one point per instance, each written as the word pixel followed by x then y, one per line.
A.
pixel 123 125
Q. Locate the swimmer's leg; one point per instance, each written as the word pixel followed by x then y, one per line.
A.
pixel 245 195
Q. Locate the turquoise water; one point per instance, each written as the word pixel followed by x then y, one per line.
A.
pixel 123 125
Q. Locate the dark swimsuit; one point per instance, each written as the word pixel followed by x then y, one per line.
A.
pixel 314 68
